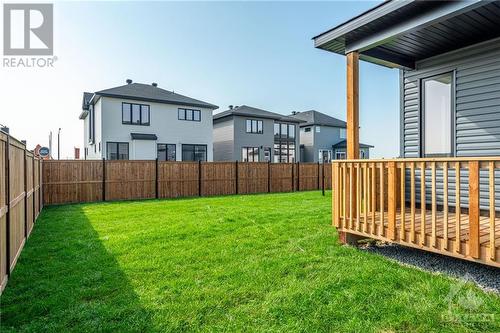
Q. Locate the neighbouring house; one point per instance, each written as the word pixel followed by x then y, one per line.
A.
pixel 323 138
pixel 143 121
pixel 443 194
pixel 249 134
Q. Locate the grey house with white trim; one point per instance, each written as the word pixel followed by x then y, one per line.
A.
pixel 143 122
pixel 323 138
pixel 249 134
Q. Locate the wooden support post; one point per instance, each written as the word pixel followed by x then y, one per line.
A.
pixel 25 195
pixel 34 196
pixel 199 178
pixel 298 176
pixel 7 199
pixel 103 179
pixel 474 209
pixel 157 194
pixel 236 177
pixel 352 118
pixel 268 177
pixel 391 201
pixel 318 177
pixel 323 179
pixel 336 195
pixel 293 177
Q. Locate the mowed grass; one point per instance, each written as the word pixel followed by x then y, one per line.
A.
pixel 235 263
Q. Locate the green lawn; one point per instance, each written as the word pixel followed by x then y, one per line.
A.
pixel 236 263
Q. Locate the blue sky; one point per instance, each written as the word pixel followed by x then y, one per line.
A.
pixel 253 53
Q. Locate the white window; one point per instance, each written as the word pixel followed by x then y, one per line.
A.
pixel 325 156
pixel 340 155
pixel 437 115
pixel 318 129
pixel 343 133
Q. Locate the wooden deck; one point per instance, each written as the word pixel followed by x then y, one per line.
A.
pixel 382 199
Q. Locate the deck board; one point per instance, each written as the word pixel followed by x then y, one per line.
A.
pixel 464 225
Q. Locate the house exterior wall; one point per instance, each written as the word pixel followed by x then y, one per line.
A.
pixel 163 122
pixel 244 139
pixel 476 129
pixel 476 104
pixel 235 127
pixel 223 132
pixel 315 141
pixel 92 148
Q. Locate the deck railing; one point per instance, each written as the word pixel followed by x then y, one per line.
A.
pixel 445 205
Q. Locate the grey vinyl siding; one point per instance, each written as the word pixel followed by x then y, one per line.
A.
pixel 230 137
pixel 244 139
pixel 476 130
pixel 314 141
pixel 223 140
pixel 477 100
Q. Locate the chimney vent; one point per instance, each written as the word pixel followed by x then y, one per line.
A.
pixel 4 129
pixel 23 142
pixel 231 107
pixel 154 84
pixel 129 81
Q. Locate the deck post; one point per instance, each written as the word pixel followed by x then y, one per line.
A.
pixel 335 195
pixel 474 209
pixel 391 202
pixel 353 115
pixel 352 129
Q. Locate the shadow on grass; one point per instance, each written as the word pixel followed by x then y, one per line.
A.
pixel 67 280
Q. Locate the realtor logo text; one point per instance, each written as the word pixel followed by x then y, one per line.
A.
pixel 28 30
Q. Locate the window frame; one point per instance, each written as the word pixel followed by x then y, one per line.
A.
pixel 166 152
pixel 141 123
pixel 117 151
pixel 252 130
pixel 422 81
pixel 185 110
pixel 247 149
pixel 341 153
pixel 194 145
pixel 282 144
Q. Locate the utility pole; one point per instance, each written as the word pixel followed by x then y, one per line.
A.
pixel 50 144
pixel 59 143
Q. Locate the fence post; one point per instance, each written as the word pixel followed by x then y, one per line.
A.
pixel 268 176
pixel 199 178
pixel 103 179
pixel 236 176
pixel 7 196
pixel 323 179
pixel 25 176
pixel 34 196
pixel 293 176
pixel 156 179
pixel 40 192
pixel 298 176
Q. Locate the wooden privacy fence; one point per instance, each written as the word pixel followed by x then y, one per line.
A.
pixel 20 201
pixel 102 180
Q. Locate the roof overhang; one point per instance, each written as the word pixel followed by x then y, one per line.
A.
pixel 143 136
pixel 398 34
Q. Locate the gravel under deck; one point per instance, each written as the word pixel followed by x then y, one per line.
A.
pixel 486 277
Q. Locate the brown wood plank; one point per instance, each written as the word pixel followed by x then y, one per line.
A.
pixel 391 201
pixel 474 209
pixel 492 210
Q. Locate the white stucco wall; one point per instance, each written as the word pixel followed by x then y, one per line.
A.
pixel 163 123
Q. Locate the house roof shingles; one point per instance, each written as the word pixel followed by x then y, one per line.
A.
pixel 149 93
pixel 313 117
pixel 343 144
pixel 248 111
